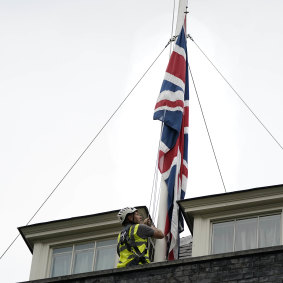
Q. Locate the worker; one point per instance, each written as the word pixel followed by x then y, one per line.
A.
pixel 133 240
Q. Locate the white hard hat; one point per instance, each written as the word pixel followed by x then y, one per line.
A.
pixel 122 214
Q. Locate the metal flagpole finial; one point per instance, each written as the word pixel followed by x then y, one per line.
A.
pixel 185 21
pixel 186 12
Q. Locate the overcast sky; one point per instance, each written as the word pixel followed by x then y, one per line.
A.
pixel 66 65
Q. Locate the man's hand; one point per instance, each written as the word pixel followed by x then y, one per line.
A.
pixel 147 222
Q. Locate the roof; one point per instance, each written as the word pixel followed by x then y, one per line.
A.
pixel 94 223
pixel 185 247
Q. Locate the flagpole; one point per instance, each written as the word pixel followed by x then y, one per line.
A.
pixel 182 11
pixel 160 245
pixel 160 253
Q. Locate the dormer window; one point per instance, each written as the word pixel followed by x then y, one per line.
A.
pixel 235 221
pixel 74 245
pixel 86 257
pixel 247 233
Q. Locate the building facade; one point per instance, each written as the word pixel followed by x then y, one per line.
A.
pixel 237 237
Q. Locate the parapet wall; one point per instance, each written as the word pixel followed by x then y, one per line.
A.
pixel 259 265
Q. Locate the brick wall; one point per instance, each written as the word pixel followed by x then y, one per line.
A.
pixel 260 265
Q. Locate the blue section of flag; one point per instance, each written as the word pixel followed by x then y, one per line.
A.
pixel 166 85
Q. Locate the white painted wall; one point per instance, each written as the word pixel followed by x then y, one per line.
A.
pixel 39 261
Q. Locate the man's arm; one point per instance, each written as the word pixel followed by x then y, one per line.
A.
pixel 158 234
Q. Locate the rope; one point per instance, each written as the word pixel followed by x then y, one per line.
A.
pixel 172 26
pixel 207 128
pixel 154 198
pixel 84 151
pixel 243 101
pixel 154 191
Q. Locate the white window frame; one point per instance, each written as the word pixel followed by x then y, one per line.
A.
pixel 242 217
pixel 73 244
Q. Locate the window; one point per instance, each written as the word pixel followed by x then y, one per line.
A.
pixel 244 234
pixel 85 257
pixel 223 236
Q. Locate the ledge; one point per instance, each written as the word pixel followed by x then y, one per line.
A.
pixel 161 265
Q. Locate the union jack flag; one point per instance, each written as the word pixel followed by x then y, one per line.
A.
pixel 172 108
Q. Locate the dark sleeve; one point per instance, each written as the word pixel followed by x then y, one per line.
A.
pixel 144 231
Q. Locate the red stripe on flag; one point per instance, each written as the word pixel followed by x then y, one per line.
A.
pixel 171 256
pixel 177 103
pixel 168 158
pixel 167 226
pixel 177 66
pixel 186 116
pixel 184 171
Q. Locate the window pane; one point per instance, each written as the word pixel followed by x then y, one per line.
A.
pixel 223 236
pixel 83 261
pixel 246 234
pixel 61 264
pixel 84 246
pixel 62 250
pixel 105 257
pixel 269 231
pixel 106 243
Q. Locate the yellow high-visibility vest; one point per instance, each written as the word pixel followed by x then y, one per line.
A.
pixel 131 248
